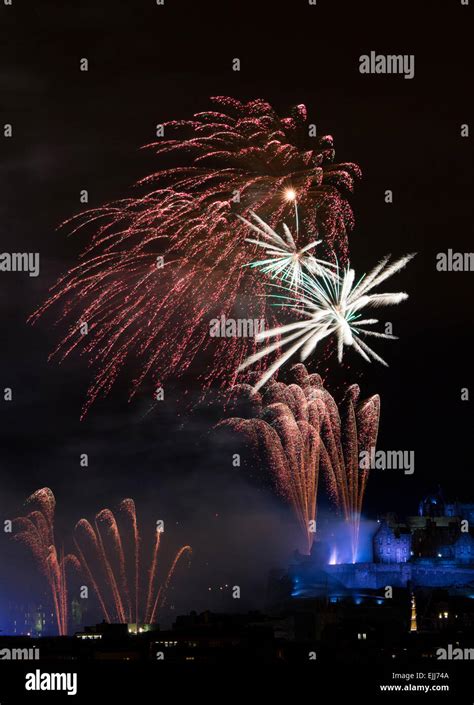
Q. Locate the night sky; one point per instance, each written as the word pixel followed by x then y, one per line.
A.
pixel 75 130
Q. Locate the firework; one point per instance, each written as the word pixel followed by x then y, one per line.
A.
pixel 346 432
pixel 285 260
pixel 297 430
pixel 110 558
pixel 36 530
pixel 283 432
pixel 330 305
pixel 161 265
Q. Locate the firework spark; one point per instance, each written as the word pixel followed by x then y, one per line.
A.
pixel 297 430
pixel 330 305
pixel 285 260
pixel 347 431
pixel 160 266
pixel 36 530
pixel 104 556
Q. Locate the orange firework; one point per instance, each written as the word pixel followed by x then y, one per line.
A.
pixel 346 432
pixel 284 433
pixel 297 429
pixel 36 530
pixel 103 550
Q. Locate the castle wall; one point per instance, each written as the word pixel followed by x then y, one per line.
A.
pixel 378 575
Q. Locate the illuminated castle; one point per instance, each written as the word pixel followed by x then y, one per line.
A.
pixel 434 549
pixel 440 531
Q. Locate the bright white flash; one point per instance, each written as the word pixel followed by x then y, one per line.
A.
pixel 331 305
pixel 284 260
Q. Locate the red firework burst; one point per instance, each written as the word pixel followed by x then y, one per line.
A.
pixel 161 266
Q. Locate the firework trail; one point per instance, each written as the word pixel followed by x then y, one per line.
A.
pixel 284 435
pixel 36 530
pixel 103 550
pixel 297 430
pixel 331 305
pixel 346 432
pixel 160 266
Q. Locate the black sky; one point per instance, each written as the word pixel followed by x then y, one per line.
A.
pixel 75 130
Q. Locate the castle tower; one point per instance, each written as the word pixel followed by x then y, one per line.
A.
pixel 413 625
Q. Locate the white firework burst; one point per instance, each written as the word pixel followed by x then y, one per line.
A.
pixel 331 305
pixel 284 260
